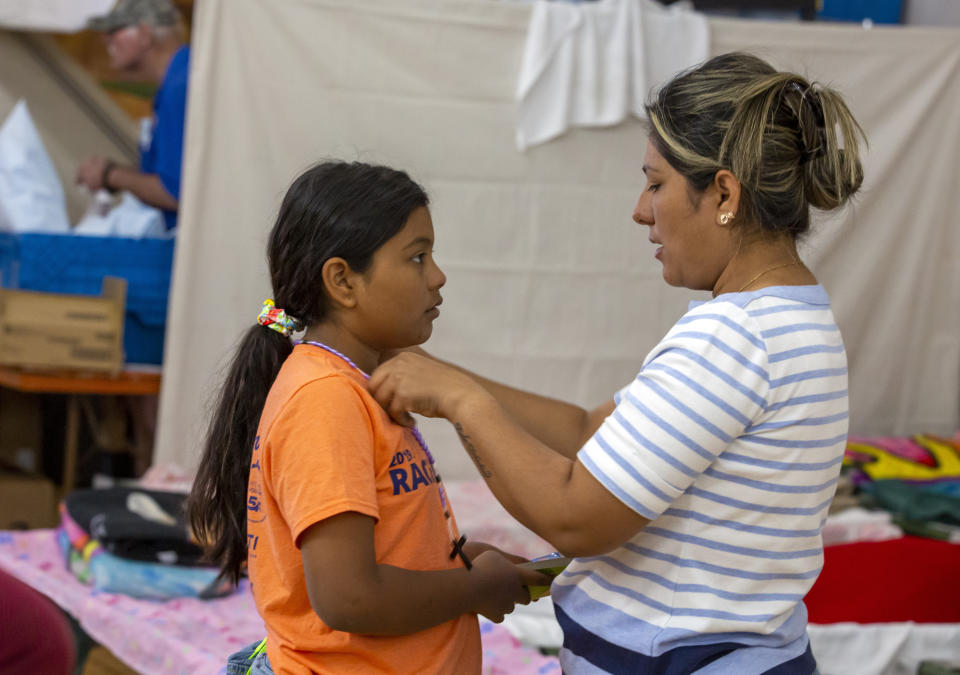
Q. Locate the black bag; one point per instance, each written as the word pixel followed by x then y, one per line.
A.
pixel 136 524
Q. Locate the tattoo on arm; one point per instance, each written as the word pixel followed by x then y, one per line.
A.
pixel 472 451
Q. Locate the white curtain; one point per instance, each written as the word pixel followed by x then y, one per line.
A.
pixel 550 285
pixel 65 16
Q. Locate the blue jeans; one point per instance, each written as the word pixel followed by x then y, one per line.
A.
pixel 240 663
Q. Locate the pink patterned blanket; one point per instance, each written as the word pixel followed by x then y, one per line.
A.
pixel 196 636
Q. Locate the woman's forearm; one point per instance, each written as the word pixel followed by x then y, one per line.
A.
pixel 552 495
pixel 561 426
pixel 529 480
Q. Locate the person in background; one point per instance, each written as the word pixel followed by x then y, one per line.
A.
pixel 35 636
pixel 146 38
pixel 693 501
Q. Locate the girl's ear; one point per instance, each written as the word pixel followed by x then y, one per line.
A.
pixel 338 283
pixel 727 188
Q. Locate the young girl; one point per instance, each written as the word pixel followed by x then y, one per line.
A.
pixel 353 554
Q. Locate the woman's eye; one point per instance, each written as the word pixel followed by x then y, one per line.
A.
pixel 418 258
pixel 653 187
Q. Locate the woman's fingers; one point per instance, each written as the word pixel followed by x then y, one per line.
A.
pixel 397 388
pixel 383 386
pixel 412 383
pixel 400 415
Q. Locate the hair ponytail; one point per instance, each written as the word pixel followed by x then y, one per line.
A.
pixel 790 143
pixel 834 174
pixel 221 481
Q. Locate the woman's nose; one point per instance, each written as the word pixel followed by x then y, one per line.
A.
pixel 641 212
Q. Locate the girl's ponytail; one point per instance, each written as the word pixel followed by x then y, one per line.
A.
pixel 216 507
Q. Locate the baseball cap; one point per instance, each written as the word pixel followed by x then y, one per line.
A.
pixel 130 12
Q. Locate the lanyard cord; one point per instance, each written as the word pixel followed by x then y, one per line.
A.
pixel 444 502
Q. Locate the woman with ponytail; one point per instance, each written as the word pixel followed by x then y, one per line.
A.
pixel 693 501
pixel 336 512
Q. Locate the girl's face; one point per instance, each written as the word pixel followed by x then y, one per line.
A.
pixel 693 249
pixel 399 295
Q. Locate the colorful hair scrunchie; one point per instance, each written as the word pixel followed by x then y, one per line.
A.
pixel 275 318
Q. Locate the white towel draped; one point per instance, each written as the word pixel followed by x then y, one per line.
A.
pixel 591 64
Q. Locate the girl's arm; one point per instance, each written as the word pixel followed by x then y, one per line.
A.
pixel 550 493
pixel 562 427
pixel 350 592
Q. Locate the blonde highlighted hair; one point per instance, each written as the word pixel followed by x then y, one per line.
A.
pixel 791 143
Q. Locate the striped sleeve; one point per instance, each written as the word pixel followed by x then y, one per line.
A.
pixel 697 391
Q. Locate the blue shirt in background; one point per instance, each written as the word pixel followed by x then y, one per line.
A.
pixel 161 151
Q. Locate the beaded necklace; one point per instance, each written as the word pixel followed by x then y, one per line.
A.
pixel 458 542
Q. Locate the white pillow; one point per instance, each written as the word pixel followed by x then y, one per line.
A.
pixel 31 196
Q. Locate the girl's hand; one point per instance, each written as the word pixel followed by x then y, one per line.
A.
pixel 413 383
pixel 499 585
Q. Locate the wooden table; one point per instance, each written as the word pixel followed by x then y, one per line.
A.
pixel 128 382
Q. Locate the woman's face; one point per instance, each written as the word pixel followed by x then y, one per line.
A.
pixel 693 247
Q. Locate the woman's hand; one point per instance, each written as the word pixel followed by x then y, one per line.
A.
pixel 410 382
pixel 473 549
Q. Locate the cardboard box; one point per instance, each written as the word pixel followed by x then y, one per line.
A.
pixel 53 330
pixel 26 501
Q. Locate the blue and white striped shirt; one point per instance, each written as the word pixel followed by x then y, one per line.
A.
pixel 730 441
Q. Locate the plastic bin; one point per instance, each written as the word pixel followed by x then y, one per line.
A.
pixel 59 263
pixel 878 11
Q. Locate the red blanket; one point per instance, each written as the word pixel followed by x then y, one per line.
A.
pixel 907 579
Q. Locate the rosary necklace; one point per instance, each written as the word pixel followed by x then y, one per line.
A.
pixel 458 542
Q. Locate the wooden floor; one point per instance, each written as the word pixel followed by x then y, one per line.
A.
pixel 101 661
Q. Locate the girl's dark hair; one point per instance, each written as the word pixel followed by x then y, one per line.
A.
pixel 791 143
pixel 334 209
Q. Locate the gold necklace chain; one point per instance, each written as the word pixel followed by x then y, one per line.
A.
pixel 768 270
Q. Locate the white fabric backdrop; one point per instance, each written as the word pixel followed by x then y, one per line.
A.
pixel 551 286
pixel 64 16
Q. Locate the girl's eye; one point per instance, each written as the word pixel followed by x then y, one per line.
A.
pixel 418 258
pixel 653 187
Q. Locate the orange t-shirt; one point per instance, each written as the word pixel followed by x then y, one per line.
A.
pixel 324 446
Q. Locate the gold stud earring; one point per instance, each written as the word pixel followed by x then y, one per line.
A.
pixel 725 218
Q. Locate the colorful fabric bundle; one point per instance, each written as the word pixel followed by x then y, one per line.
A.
pixel 921 458
pixel 915 479
pixel 133 541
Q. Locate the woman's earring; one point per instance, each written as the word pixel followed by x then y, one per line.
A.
pixel 725 218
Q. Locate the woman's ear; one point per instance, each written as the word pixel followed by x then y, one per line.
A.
pixel 338 283
pixel 727 188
